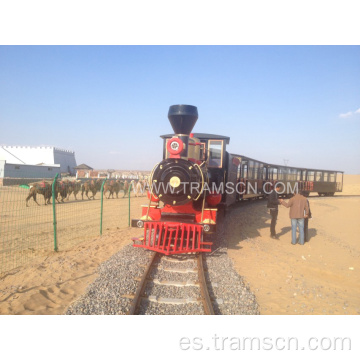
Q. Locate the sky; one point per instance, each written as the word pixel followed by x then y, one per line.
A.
pixel 109 104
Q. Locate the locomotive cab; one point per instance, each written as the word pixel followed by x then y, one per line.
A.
pixel 203 147
pixel 211 150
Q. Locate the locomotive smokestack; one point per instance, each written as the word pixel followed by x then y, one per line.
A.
pixel 183 118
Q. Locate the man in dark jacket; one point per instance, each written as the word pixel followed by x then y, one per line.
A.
pixel 306 220
pixel 273 202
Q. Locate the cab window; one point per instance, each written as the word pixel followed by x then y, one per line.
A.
pixel 202 151
pixel 215 153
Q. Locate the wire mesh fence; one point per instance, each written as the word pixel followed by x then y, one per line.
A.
pixel 38 216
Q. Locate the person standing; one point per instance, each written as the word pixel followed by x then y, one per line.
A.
pixel 306 220
pixel 299 210
pixel 273 205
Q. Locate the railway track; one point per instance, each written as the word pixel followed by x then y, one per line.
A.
pixel 172 282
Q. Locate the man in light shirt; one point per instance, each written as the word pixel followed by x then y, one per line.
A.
pixel 299 210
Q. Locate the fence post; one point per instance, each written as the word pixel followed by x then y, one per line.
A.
pixel 101 210
pixel 54 211
pixel 129 203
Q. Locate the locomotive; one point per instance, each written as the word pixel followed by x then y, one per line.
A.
pixel 190 185
pixel 181 182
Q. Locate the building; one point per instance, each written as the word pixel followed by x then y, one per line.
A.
pixel 11 174
pixel 84 171
pixel 132 175
pixel 47 156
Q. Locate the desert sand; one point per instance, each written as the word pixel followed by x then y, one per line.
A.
pixel 321 277
pixel 51 284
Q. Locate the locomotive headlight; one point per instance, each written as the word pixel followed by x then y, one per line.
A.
pixel 175 181
pixel 175 146
pixel 140 224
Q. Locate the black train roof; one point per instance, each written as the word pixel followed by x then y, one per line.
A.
pixel 202 136
pixel 283 166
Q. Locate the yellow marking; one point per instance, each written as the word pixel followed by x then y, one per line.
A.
pixel 209 221
pixel 146 217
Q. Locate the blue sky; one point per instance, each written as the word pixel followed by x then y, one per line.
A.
pixel 109 103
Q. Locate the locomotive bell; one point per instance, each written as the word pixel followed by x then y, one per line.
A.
pixel 182 119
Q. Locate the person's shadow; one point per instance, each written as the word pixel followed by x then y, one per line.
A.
pixel 311 232
pixel 284 230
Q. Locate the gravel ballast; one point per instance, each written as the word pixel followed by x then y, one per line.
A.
pixel 109 293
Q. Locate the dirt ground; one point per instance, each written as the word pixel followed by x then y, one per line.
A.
pixel 28 232
pixel 320 277
pixel 48 281
pixel 50 285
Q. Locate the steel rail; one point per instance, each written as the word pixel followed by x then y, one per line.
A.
pixel 205 297
pixel 208 308
pixel 137 298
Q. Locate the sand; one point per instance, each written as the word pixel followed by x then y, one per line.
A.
pixel 27 232
pixel 50 285
pixel 321 277
pixel 351 185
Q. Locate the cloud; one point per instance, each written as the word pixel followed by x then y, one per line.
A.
pixel 350 114
pixel 114 152
pixel 346 115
